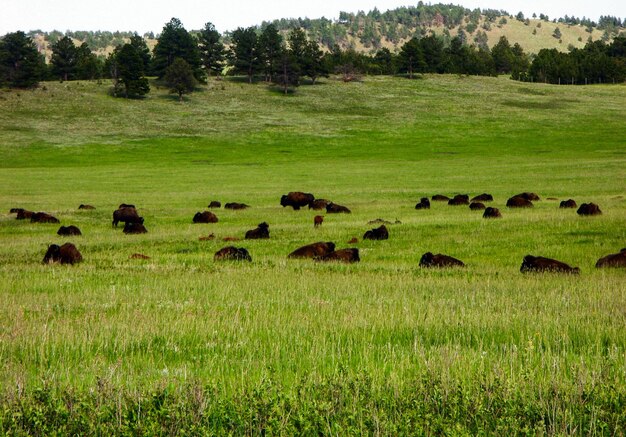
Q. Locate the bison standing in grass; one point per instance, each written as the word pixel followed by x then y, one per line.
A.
pixel 65 254
pixel 296 199
pixel 541 264
pixel 126 214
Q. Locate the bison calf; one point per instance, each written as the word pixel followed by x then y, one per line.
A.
pixel 65 254
pixel 232 253
pixel 69 230
pixel 541 264
pixel 261 231
pixel 318 220
pixel 380 233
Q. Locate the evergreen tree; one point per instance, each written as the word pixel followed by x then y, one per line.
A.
pixel 142 48
pixel 127 71
pixel 179 78
pixel 502 55
pixel 64 58
pixel 288 73
pixel 270 49
pixel 411 57
pixel 314 66
pixel 20 64
pixel 211 49
pixel 88 66
pixel 432 50
pixel 244 53
pixel 175 42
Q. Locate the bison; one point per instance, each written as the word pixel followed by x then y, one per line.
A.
pixel 459 199
pixel 314 250
pixel 541 264
pixel 613 260
pixel 475 206
pixel 83 206
pixel 380 233
pixel 134 228
pixel 482 198
pixel 215 204
pixel 126 205
pixel 138 256
pixel 519 202
pixel 43 217
pixel 318 204
pixel 492 213
pixel 342 255
pixel 440 198
pixel 126 214
pixel 424 203
pixel 232 253
pixel 333 208
pixel 439 260
pixel 69 230
pixel 262 231
pixel 589 209
pixel 205 217
pixel 65 254
pixel 528 196
pixel 236 206
pixel 318 220
pixel 296 199
pixel 569 203
pixel 23 214
pixel 15 210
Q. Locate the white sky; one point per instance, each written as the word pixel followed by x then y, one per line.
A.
pixel 150 15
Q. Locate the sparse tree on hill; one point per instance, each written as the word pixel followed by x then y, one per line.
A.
pixel 179 78
pixel 20 64
pixel 211 50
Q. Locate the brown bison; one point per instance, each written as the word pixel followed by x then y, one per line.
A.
pixel 482 198
pixel 215 204
pixel 319 204
pixel 541 264
pixel 519 202
pixel 83 206
pixel 440 198
pixel 528 196
pixel 342 255
pixel 569 203
pixel 589 209
pixel 126 205
pixel 262 231
pixel 43 217
pixel 205 217
pixel 138 256
pixel 134 228
pixel 69 230
pixel 333 208
pixel 127 214
pixel 236 206
pixel 15 210
pixel 613 260
pixel 439 260
pixel 314 250
pixel 232 253
pixel 23 214
pixel 459 199
pixel 318 220
pixel 492 213
pixel 424 203
pixel 380 233
pixel 296 199
pixel 476 206
pixel 65 254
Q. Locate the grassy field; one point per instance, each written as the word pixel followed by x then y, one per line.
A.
pixel 181 344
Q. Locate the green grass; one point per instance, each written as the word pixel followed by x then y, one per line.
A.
pixel 179 343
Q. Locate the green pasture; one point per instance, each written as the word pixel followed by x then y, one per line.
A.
pixel 284 346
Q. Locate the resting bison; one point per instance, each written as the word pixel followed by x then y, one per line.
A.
pixel 424 203
pixel 589 209
pixel 43 217
pixel 380 233
pixel 82 206
pixel 569 203
pixel 528 196
pixel 519 202
pixel 459 199
pixel 69 230
pixel 318 204
pixel 541 264
pixel 314 250
pixel 65 254
pixel 262 231
pixel 333 208
pixel 296 199
pixel 23 214
pixel 318 220
pixel 342 255
pixel 492 213
pixel 16 210
pixel 127 214
pixel 440 198
pixel 205 217
pixel 235 205
pixel 482 198
pixel 232 253
pixel 439 260
pixel 475 206
pixel 125 205
pixel 134 228
pixel 215 204
pixel 138 256
pixel 613 260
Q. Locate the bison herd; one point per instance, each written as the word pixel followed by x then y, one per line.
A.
pixel 325 251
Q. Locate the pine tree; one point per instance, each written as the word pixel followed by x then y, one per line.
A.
pixel 20 64
pixel 127 71
pixel 64 58
pixel 244 53
pixel 176 42
pixel 270 51
pixel 211 50
pixel 179 78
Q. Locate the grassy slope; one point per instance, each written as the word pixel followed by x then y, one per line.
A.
pixel 376 146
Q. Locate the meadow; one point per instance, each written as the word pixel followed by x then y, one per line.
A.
pixel 180 344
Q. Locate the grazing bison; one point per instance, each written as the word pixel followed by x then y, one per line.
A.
pixel 215 204
pixel 235 205
pixel 528 196
pixel 482 198
pixel 318 220
pixel 541 264
pixel 43 217
pixel 333 208
pixel 69 230
pixel 440 198
pixel 439 260
pixel 492 213
pixel 296 199
pixel 589 209
pixel 205 217
pixel 475 206
pixel 424 203
pixel 613 260
pixel 342 255
pixel 23 214
pixel 318 204
pixel 569 203
pixel 262 231
pixel 380 233
pixel 82 206
pixel 232 253
pixel 127 214
pixel 65 254
pixel 134 228
pixel 314 250
pixel 519 202
pixel 459 199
